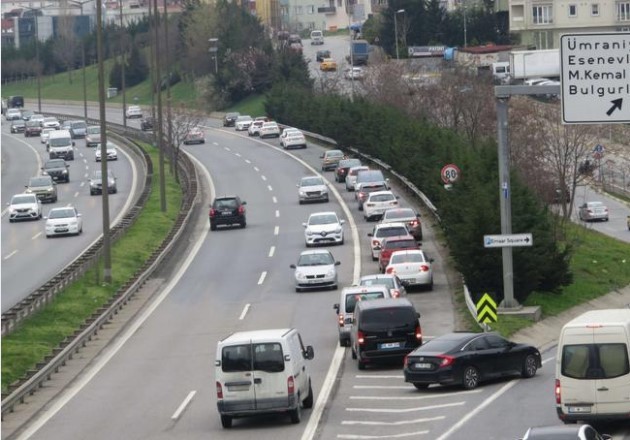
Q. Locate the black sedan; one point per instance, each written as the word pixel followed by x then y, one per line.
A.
pixel 467 359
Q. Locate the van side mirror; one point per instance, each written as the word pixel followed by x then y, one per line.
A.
pixel 309 353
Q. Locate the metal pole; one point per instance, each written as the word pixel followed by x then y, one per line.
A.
pixel 39 67
pixel 396 34
pixel 85 111
pixel 465 31
pixel 160 131
pixel 173 165
pixel 107 263
pixel 122 69
pixel 505 201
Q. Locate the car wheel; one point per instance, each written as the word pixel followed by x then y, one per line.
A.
pixel 529 366
pixel 353 353
pixel 213 227
pixel 421 386
pixel 298 290
pixel 430 285
pixel 308 402
pixel 470 379
pixel 296 414
pixel 360 207
pixel 11 220
pixel 326 200
pixel 243 225
pixel 47 236
pixel 226 421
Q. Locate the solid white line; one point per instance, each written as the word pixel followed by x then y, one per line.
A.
pixel 277 213
pixel 244 312
pixel 398 423
pixel 269 187
pixel 262 278
pixel 10 255
pixel 416 397
pixel 263 177
pixel 184 404
pixel 274 199
pixel 36 235
pixel 111 351
pixel 404 410
pixel 82 183
pixel 382 387
pixel 276 230
pixel 380 376
pixel 376 437
pixel 272 250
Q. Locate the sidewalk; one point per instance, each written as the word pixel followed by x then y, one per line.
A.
pixel 544 334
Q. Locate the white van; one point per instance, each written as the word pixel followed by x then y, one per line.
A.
pixel 263 371
pixel 60 145
pixel 350 296
pixel 317 37
pixel 593 367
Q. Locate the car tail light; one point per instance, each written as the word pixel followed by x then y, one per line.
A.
pixel 395 293
pixel 219 391
pixel 360 338
pixel 390 270
pixel 406 361
pixel 241 210
pixel 557 392
pixel 446 360
pixel 340 320
pixel 375 243
pixel 213 212
pixel 413 223
pixel 291 385
pixel 424 268
pixel 419 333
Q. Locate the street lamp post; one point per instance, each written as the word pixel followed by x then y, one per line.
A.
pixel 400 11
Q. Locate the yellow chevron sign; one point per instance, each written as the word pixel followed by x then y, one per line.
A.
pixel 486 309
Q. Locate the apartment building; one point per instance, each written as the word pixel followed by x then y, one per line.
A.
pixel 540 23
pixel 298 15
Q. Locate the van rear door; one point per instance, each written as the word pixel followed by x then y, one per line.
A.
pixel 613 389
pixel 577 392
pixel 237 379
pixel 271 380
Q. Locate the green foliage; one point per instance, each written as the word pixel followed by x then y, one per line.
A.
pixel 136 68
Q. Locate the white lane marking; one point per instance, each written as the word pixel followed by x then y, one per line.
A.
pixel 262 278
pixel 248 161
pixel 379 376
pixel 215 143
pixel 184 404
pixel 277 213
pixel 269 187
pixel 76 194
pixel 263 177
pixel 416 397
pixel 109 353
pixel 376 437
pixel 82 183
pixel 237 154
pixel 256 169
pixel 405 410
pixel 244 312
pixel 274 199
pixel 272 250
pixel 398 423
pixel 10 255
pixel 276 230
pixel 36 235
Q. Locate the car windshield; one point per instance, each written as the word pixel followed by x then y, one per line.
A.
pixel 595 204
pixel 48 130
pixel 79 125
pixel 353 298
pixel 440 345
pixel 50 120
pixel 18 200
pixel 61 213
pixel 334 153
pixel 312 181
pixel 370 176
pixel 321 259
pixel 399 214
pixel 391 232
pixel 348 163
pixel 355 171
pixel 57 163
pixel 415 257
pixel 226 204
pixel 94 130
pixel 381 281
pixel 324 219
pixel 40 181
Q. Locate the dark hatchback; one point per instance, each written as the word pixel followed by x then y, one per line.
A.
pixel 467 359
pixel 342 169
pixel 227 211
pixel 229 120
pixel 32 128
pixel 57 169
pixel 147 123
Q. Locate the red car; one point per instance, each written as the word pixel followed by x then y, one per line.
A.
pixel 396 243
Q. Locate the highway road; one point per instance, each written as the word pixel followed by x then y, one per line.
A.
pixel 27 255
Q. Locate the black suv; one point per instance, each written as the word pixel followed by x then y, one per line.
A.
pixel 57 169
pixel 384 330
pixel 147 123
pixel 227 210
pixel 229 120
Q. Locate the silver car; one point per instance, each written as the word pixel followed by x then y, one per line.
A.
pixel 591 211
pixel 323 228
pixel 24 207
pixel 315 269
pixel 312 189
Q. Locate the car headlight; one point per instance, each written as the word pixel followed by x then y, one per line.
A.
pixel 44 173
pixel 338 230
pixel 330 273
pixel 309 232
pixel 73 223
pixel 50 189
pixel 11 210
pixel 28 191
pixel 300 276
pixel 302 192
pixel 64 172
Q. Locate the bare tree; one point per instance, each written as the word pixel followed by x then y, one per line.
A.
pixel 66 44
pixel 183 120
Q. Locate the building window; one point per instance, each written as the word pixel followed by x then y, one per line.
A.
pixel 572 10
pixel 310 9
pixel 543 40
pixel 595 9
pixel 543 14
pixel 623 11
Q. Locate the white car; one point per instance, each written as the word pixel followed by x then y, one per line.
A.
pixel 381 231
pixel 292 138
pixel 243 122
pixel 37 117
pixel 13 114
pixel 312 189
pixel 377 203
pixel 45 133
pixel 133 111
pixel 396 288
pixel 351 177
pixel 112 153
pixel 322 228
pixel 315 269
pixel 24 207
pixel 254 128
pixel 269 129
pixel 413 268
pixel 51 122
pixel 63 221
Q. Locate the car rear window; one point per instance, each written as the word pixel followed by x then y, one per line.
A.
pixel 400 244
pixel 226 204
pixel 388 317
pixel 391 232
pixel 385 281
pixel 265 357
pixel 595 361
pixel 353 298
pixel 399 213
pixel 370 176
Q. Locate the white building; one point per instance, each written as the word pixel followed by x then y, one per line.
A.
pixel 323 14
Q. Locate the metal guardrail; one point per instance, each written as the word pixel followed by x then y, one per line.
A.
pixel 69 347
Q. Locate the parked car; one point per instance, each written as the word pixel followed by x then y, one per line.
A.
pixel 408 216
pixel 32 128
pixel 467 359
pixel 391 281
pixel 78 129
pixel 328 65
pixel 45 134
pixel 320 55
pixel 112 152
pixel 43 187
pixel 331 158
pixel 269 129
pixel 92 136
pixel 51 122
pixel 315 269
pixel 342 168
pixel 351 176
pixel 382 230
pixel 322 228
pixel 63 221
pixel 195 136
pixel 565 432
pixel 292 139
pixel 254 128
pixel 243 122
pixel 230 119
pixel 147 123
pixel 591 211
pixel 392 244
pixel 377 203
pixel 18 126
pixel 57 169
pixel 413 267
pixel 227 211
pixel 312 189
pixel 24 207
pixel 96 183
pixel 350 296
pixel 133 111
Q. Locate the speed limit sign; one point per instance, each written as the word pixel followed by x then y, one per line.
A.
pixel 450 173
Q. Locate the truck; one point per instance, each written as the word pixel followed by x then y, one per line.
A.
pixel 359 52
pixel 526 64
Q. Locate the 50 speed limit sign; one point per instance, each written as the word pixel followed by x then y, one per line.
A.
pixel 450 173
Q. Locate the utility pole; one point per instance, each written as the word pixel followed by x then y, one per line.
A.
pixel 36 12
pixel 80 5
pixel 122 68
pixel 160 128
pixel 168 92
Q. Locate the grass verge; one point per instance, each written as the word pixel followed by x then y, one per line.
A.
pixel 37 336
pixel 253 106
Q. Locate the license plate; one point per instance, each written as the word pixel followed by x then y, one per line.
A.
pixel 61 230
pixel 226 213
pixel 390 345
pixel 579 409
pixel 422 365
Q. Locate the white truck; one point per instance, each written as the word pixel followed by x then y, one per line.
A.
pixel 526 64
